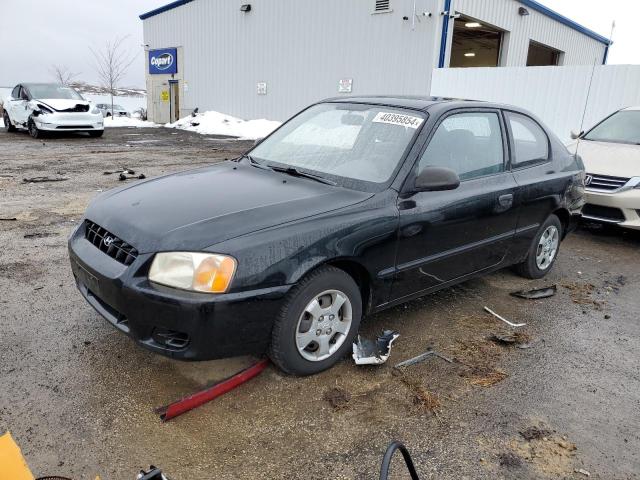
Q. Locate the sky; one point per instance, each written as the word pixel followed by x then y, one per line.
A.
pixel 40 33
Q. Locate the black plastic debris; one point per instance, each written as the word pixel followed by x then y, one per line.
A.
pixel 44 179
pixel 126 171
pixel 154 473
pixel 536 293
pixel 122 177
pixel 368 352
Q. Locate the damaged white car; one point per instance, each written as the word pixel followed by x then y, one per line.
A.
pixel 49 107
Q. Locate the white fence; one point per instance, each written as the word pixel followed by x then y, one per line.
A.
pixel 560 96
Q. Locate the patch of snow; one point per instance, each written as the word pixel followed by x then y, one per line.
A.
pixel 216 123
pixel 128 122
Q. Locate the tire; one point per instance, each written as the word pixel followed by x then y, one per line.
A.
pixel 543 250
pixel 34 131
pixel 295 326
pixel 8 126
pixel 96 134
pixel 108 114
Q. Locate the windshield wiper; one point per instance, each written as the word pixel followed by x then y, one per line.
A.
pixel 298 173
pixel 254 162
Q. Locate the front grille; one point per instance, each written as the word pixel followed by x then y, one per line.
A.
pixel 110 244
pixel 599 212
pixel 73 127
pixel 170 339
pixel 604 182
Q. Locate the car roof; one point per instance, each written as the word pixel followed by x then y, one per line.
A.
pixel 422 103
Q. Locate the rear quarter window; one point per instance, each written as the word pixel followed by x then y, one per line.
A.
pixel 530 144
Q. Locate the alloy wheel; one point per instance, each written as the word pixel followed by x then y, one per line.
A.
pixel 324 325
pixel 547 247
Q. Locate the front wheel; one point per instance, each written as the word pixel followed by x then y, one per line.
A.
pixel 8 126
pixel 34 131
pixel 543 251
pixel 317 323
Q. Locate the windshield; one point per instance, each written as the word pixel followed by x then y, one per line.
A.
pixel 118 107
pixel 356 142
pixel 621 127
pixel 44 91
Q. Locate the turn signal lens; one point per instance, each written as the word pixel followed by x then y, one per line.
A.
pixel 201 272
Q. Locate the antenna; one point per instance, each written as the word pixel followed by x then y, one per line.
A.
pixel 586 102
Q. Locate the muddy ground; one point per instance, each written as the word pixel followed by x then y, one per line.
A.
pixel 78 396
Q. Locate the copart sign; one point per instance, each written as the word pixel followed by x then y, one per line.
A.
pixel 163 61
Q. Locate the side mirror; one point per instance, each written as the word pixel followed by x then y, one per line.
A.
pixel 257 141
pixel 435 179
pixel 575 135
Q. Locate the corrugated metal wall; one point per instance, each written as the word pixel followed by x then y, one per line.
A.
pixel 301 48
pixel 578 48
pixel 558 95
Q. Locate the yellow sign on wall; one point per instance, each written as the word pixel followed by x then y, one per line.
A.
pixel 164 95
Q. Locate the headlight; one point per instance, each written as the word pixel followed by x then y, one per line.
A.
pixel 202 272
pixel 95 111
pixel 43 109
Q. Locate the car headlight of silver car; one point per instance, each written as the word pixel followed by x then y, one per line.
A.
pixel 200 272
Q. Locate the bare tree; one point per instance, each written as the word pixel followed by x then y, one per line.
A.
pixel 62 74
pixel 112 63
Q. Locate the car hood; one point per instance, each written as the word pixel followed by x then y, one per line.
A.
pixel 61 103
pixel 196 209
pixel 612 159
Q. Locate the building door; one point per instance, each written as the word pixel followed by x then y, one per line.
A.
pixel 174 103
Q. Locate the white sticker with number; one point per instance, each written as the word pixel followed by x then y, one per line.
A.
pixel 398 119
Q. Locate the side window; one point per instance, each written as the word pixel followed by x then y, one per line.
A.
pixel 468 143
pixel 23 94
pixel 15 93
pixel 530 143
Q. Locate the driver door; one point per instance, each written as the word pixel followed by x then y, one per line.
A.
pixel 447 235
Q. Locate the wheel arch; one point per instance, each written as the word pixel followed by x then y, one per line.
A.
pixel 565 219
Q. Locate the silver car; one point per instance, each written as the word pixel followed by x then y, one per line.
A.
pixel 117 111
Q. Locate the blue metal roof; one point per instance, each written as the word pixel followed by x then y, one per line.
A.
pixel 538 7
pixel 164 8
pixel 532 4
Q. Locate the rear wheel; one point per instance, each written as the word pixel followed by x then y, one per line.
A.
pixel 317 323
pixel 543 251
pixel 34 131
pixel 8 126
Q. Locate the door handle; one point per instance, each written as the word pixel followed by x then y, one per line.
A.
pixel 506 200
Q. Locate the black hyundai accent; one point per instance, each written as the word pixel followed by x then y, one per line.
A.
pixel 352 206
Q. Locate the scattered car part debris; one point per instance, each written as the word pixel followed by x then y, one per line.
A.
pixel 367 352
pixel 582 471
pixel 44 179
pixel 515 325
pixel 388 455
pixel 154 473
pixel 199 398
pixel 520 339
pixel 122 177
pixel 536 293
pixel 11 219
pixel 126 171
pixel 422 357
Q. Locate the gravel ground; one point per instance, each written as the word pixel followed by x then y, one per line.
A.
pixel 78 396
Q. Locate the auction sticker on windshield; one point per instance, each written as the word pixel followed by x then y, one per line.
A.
pixel 398 119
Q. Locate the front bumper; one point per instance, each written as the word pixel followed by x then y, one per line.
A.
pixel 70 122
pixel 622 208
pixel 179 324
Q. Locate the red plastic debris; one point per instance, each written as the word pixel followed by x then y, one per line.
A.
pixel 199 398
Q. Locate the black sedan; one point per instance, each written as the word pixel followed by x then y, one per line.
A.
pixel 352 206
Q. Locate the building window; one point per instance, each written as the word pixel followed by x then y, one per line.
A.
pixel 382 6
pixel 475 44
pixel 540 55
